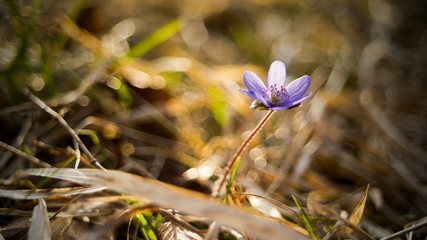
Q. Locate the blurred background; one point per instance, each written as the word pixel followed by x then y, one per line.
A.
pixel 154 87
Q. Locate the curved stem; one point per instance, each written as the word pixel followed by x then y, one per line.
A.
pixel 241 148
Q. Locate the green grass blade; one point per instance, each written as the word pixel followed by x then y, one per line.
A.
pixel 46 71
pixel 218 105
pixel 149 226
pixel 233 175
pixel 95 139
pixel 156 38
pixel 146 228
pixel 306 220
pixel 123 93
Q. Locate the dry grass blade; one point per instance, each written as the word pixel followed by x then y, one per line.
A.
pixel 40 225
pixel 24 155
pixel 85 38
pixel 42 193
pixel 213 231
pixel 61 120
pixel 88 81
pixel 408 229
pixel 168 196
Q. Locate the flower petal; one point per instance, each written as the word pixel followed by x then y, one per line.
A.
pixel 256 96
pixel 298 88
pixel 277 74
pixel 262 99
pixel 247 92
pixel 253 82
pixel 289 104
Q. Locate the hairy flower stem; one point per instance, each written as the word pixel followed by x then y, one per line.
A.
pixel 241 148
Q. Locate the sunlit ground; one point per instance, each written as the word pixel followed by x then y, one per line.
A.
pixel 152 89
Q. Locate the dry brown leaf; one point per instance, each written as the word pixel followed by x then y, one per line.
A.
pixel 170 231
pixel 357 213
pixel 169 196
pixel 15 227
pixel 75 229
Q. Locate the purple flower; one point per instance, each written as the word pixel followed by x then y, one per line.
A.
pixel 276 96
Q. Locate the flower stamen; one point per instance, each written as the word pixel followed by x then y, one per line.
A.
pixel 278 97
